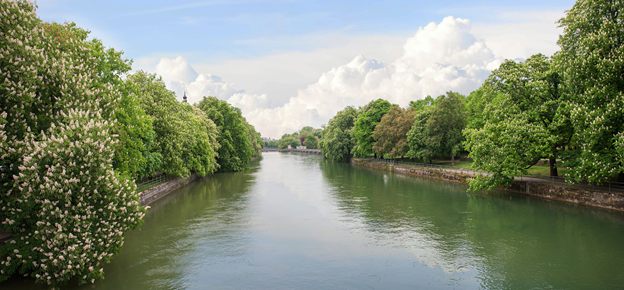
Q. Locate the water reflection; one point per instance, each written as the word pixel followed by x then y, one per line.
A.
pixel 510 241
pixel 295 221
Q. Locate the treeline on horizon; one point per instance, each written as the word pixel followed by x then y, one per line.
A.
pixel 76 131
pixel 568 108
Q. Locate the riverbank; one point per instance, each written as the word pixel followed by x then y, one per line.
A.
pixel 590 197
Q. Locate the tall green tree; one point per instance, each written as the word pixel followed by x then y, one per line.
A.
pixel 530 123
pixel 418 138
pixel 369 116
pixel 185 139
pixel 337 139
pixel 422 105
pixel 592 46
pixel 441 134
pixel 475 106
pixel 236 147
pixel 391 133
pixel 311 142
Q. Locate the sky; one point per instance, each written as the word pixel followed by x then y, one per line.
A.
pixel 289 64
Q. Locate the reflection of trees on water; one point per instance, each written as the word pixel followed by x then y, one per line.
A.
pixel 405 212
pixel 533 243
pixel 512 241
pixel 201 224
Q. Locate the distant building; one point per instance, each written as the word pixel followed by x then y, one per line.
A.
pixel 302 147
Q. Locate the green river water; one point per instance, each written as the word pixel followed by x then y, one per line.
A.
pixel 296 221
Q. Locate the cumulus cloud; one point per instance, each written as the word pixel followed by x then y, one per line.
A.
pixel 439 57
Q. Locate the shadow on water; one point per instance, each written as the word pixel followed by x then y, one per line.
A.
pixel 509 241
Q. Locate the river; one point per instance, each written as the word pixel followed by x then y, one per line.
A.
pixel 296 221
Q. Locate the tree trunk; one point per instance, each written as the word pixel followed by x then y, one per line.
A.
pixel 620 177
pixel 375 155
pixel 553 169
pixel 452 160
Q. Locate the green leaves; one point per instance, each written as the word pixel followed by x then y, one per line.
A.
pixel 591 63
pixel 525 123
pixel 238 143
pixel 391 133
pixel 367 120
pixel 60 197
pixel 337 141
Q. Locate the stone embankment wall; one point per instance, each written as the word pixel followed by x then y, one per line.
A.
pixel 595 198
pixel 156 192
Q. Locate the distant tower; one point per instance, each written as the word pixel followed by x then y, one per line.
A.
pixel 184 98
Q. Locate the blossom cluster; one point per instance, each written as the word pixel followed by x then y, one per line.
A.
pixel 67 208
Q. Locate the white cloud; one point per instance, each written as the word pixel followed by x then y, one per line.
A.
pixel 522 34
pixel 439 57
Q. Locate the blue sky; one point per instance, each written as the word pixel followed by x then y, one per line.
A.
pixel 261 55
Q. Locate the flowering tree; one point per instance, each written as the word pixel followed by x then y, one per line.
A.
pixel 337 140
pixel 391 133
pixel 60 197
pixel 133 127
pixel 369 116
pixel 592 46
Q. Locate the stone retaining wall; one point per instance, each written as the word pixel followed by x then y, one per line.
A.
pixel 156 192
pixel 595 198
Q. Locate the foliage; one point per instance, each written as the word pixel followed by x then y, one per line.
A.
pixel 255 140
pixel 311 142
pixel 418 138
pixel 370 115
pixel 272 144
pixel 236 147
pixel 186 139
pixel 67 208
pixel 592 45
pixel 441 133
pixel 337 140
pixel 475 106
pixel 528 124
pixel 422 105
pixel 391 133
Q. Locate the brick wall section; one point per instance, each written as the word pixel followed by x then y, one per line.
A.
pixel 595 198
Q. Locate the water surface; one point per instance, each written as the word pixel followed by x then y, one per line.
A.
pixel 296 221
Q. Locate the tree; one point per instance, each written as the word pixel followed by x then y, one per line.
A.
pixel 475 105
pixel 337 140
pixel 592 45
pixel 421 105
pixel 441 133
pixel 370 115
pixel 529 123
pixel 418 138
pixel 236 147
pixel 60 197
pixel 272 144
pixel 311 142
pixel 391 133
